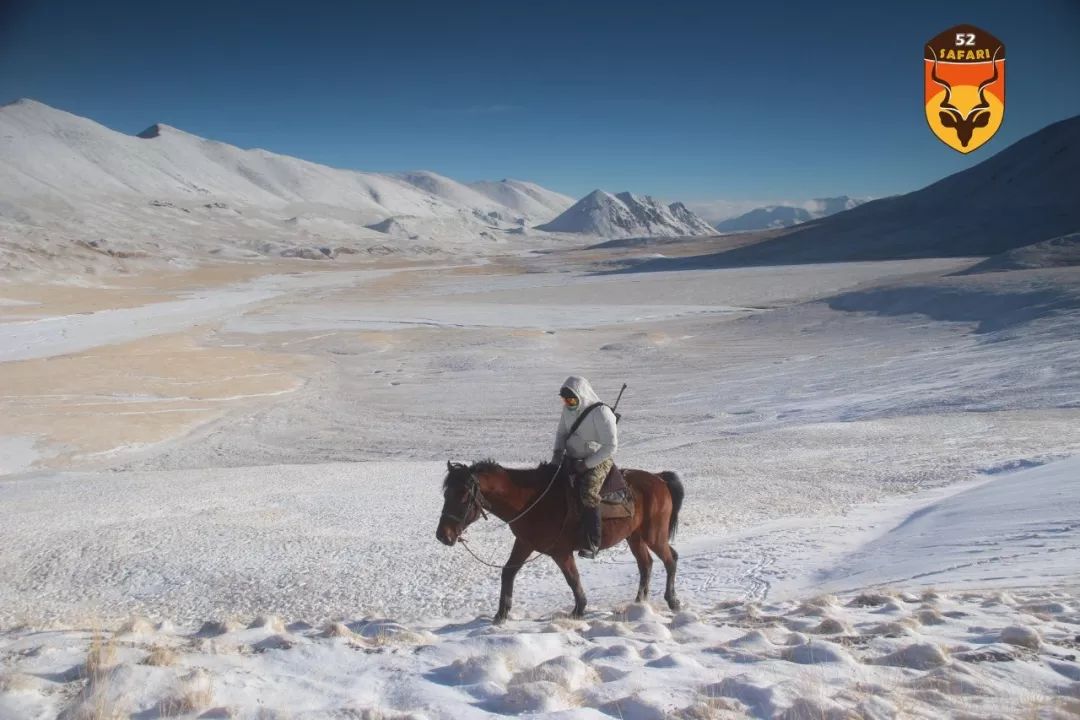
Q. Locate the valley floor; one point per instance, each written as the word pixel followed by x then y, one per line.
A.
pixel 274 448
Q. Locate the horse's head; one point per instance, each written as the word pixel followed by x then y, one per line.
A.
pixel 462 502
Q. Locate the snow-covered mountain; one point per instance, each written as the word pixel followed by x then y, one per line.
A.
pixel 1025 194
pixel 627 215
pixel 780 216
pixel 528 199
pixel 71 186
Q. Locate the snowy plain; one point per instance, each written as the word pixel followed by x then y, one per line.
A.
pixel 918 653
pixel 280 561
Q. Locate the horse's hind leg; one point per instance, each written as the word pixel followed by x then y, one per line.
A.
pixel 671 562
pixel 573 579
pixel 670 558
pixel 640 549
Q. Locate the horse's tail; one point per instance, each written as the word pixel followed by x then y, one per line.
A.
pixel 675 487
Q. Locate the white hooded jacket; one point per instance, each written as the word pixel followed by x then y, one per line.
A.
pixel 597 438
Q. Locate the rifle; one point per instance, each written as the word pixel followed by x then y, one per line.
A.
pixel 618 417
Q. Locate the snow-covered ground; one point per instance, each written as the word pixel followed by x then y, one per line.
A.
pixel 851 428
pixel 919 652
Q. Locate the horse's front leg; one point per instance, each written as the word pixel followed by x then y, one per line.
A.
pixel 518 556
pixel 573 579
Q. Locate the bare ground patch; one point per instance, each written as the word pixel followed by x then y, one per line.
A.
pixel 135 393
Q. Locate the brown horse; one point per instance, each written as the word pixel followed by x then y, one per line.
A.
pixel 541 511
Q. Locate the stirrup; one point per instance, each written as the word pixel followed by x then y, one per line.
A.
pixel 589 553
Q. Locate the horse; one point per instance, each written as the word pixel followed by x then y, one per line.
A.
pixel 537 505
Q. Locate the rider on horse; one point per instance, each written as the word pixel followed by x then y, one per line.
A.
pixel 591 450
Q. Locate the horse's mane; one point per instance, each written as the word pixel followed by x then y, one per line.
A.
pixel 485 465
pixel 522 477
pixel 458 473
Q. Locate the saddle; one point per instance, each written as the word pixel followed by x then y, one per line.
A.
pixel 616 497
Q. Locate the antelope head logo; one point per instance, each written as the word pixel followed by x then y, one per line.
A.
pixel 951 116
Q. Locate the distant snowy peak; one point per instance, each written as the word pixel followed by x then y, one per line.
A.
pixel 686 216
pixel 627 215
pixel 780 216
pixel 823 207
pixel 764 218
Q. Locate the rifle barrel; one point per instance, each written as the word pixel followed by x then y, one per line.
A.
pixel 621 391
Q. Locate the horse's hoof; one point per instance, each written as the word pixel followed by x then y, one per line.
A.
pixel 498 620
pixel 674 604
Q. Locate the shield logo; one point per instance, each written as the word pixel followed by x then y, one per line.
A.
pixel 964 77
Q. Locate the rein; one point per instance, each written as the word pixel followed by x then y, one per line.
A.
pixel 477 500
pixel 539 497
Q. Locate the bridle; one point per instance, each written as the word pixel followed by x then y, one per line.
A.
pixel 475 503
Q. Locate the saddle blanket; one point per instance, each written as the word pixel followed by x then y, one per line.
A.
pixel 617 500
pixel 614 482
pixel 617 506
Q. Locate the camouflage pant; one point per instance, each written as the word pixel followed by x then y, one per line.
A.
pixel 590 482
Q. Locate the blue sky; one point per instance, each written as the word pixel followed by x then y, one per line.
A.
pixel 692 101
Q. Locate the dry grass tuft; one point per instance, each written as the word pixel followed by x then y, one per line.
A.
pixel 160 656
pixel 822 601
pixel 711 705
pixel 890 630
pixel 95 702
pixel 269 622
pixel 212 628
pixel 386 634
pixel 195 694
pixel 831 626
pixel 569 624
pixel 18 682
pixel 870 599
pixel 930 617
pixel 100 659
pixel 717 708
pixel 1021 636
pixel 97 707
pixel 136 625
pixel 337 630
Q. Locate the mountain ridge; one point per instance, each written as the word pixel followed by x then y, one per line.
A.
pixel 1022 195
pixel 76 195
pixel 152 163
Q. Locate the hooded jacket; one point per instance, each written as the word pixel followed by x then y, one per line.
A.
pixel 597 437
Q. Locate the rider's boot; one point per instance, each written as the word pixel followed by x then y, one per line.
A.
pixel 590 521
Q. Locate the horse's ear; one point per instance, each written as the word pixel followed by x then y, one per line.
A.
pixel 449 466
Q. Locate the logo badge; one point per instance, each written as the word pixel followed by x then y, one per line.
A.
pixel 964 76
